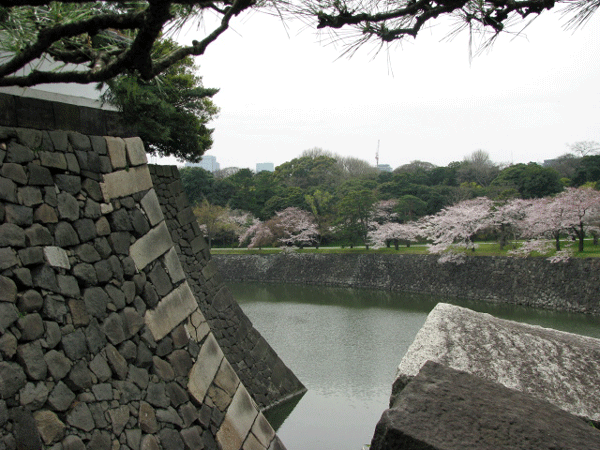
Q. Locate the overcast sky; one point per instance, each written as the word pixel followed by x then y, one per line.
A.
pixel 283 91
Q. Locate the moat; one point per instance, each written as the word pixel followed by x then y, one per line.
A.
pixel 345 345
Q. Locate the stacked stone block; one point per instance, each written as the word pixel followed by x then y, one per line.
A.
pixel 266 377
pixel 102 342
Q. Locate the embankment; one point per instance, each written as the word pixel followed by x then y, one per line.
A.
pixel 572 286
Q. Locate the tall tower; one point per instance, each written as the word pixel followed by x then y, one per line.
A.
pixel 377 155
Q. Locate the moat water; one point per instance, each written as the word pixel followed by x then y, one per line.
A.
pixel 345 345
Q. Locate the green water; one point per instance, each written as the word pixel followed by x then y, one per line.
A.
pixel 345 345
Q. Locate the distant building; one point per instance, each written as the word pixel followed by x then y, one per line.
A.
pixel 208 162
pixel 262 167
pixel 384 168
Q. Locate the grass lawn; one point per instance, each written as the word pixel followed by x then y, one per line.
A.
pixel 485 249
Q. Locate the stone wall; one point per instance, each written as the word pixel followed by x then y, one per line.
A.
pixel 103 344
pixel 268 380
pixel 573 286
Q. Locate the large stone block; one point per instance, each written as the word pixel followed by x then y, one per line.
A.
pixel 445 409
pixel 125 182
pixel 204 370
pixel 150 246
pixel 238 420
pixel 151 207
pixel 171 311
pixel 116 152
pixel 136 154
pixel 548 364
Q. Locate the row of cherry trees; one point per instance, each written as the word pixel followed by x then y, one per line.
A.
pixel 452 231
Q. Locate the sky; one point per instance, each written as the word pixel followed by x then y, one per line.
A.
pixel 286 90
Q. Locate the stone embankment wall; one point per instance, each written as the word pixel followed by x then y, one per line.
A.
pixel 103 344
pixel 573 286
pixel 268 380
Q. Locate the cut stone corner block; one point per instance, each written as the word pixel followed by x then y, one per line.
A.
pixel 136 153
pixel 151 206
pixel 239 419
pixel 196 326
pixel 173 309
pixel 116 151
pixel 125 182
pixel 205 368
pixel 151 246
pixel 548 364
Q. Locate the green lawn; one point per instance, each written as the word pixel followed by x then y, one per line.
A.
pixel 485 249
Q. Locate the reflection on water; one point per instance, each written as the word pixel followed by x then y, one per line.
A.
pixel 345 345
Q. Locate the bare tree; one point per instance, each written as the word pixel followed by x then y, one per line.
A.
pixel 478 168
pixel 351 167
pixel 584 148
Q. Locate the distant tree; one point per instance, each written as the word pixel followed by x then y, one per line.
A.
pixel 453 229
pixel 318 172
pixel 545 220
pixel 350 167
pixel 530 180
pixel 585 148
pixel 197 183
pixel 588 170
pixel 582 208
pixel 226 172
pixel 259 235
pixel 385 211
pixel 320 204
pixel 415 166
pixel 383 234
pixel 478 168
pixel 566 165
pixel 354 213
pixel 212 219
pixel 410 208
pixel 297 226
pixel 508 218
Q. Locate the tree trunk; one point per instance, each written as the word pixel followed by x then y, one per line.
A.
pixel 502 241
pixel 396 244
pixel 581 236
pixel 557 238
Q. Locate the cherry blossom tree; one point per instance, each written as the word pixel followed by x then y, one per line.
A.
pixel 298 227
pixel 573 211
pixel 508 218
pixel 382 234
pixel 542 247
pixel 545 219
pixel 453 229
pixel 259 234
pixel 582 207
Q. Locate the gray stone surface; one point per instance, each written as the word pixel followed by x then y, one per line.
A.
pixel 57 257
pixel 79 346
pixel 548 364
pixel 171 311
pixel 445 409
pixel 13 379
pixel 125 182
pixel 149 247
